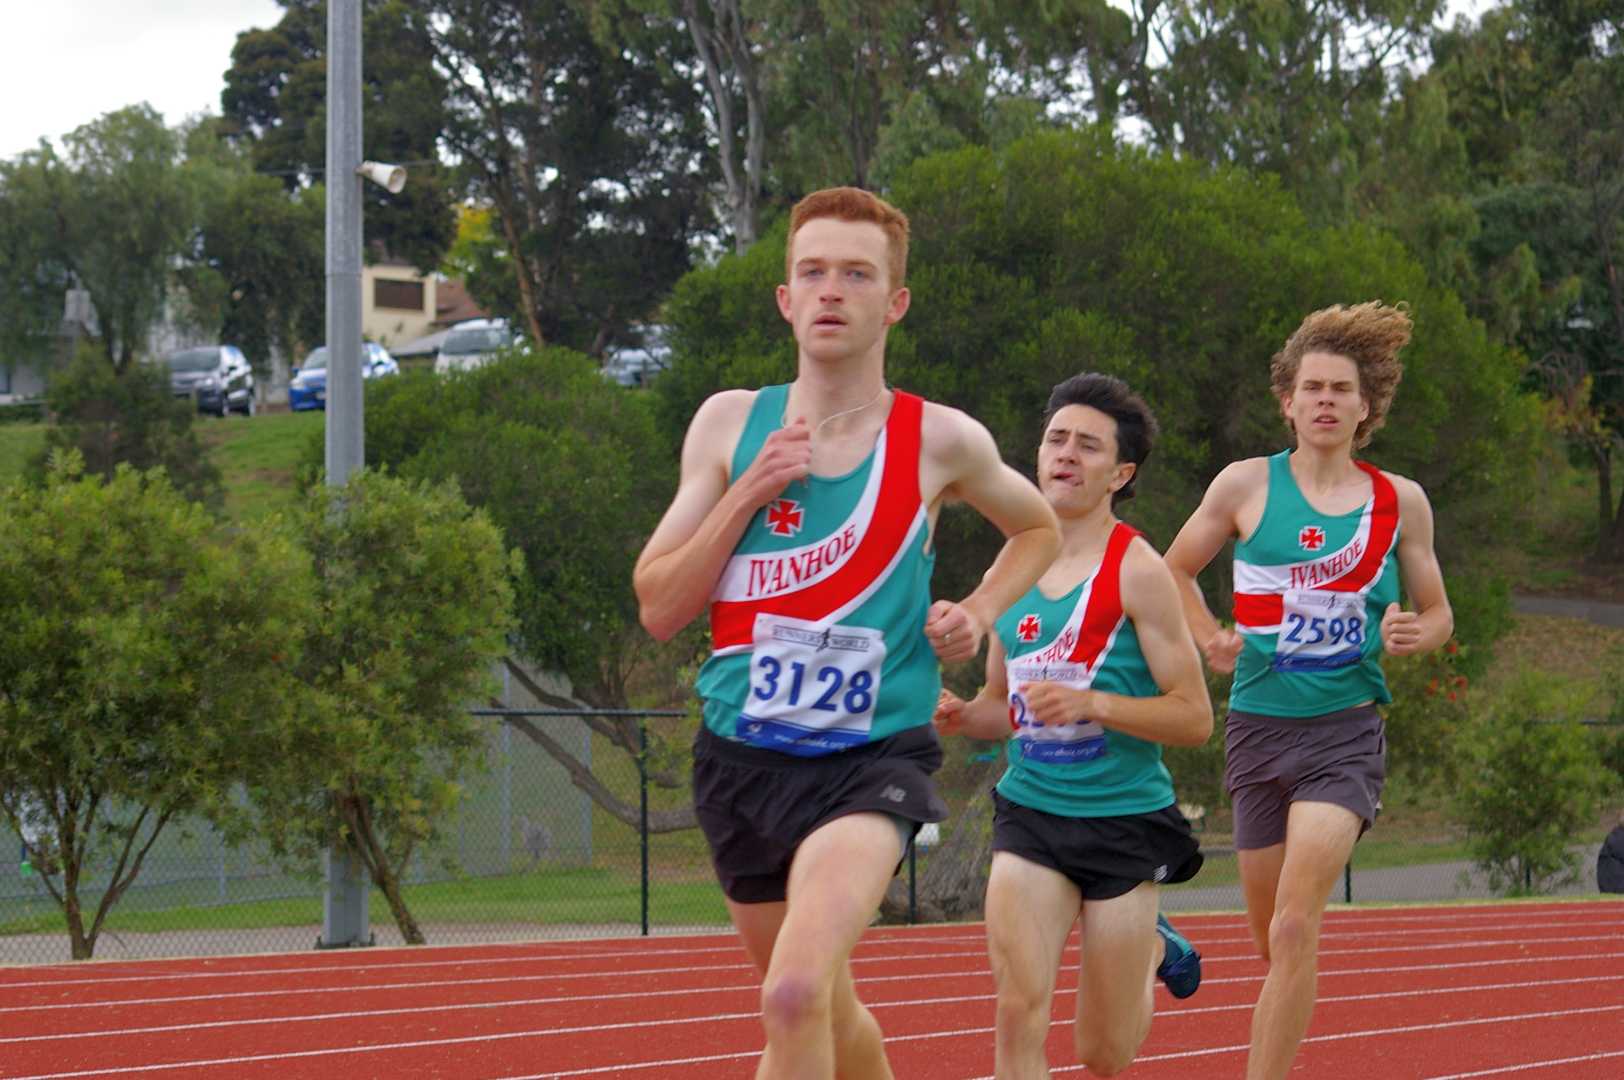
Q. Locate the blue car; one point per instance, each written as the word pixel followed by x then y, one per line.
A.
pixel 308 390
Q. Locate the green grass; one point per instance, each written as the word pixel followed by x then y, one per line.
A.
pixel 1371 854
pixel 258 458
pixel 17 443
pixel 541 897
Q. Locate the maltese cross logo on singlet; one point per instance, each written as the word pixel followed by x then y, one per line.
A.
pixel 1029 628
pixel 1311 538
pixel 784 517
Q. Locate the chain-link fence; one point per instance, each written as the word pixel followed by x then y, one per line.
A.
pixel 529 855
pixel 532 855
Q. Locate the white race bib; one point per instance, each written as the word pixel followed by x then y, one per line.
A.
pixel 1320 630
pixel 812 686
pixel 1061 743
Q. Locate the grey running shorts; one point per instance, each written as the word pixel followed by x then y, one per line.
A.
pixel 756 806
pixel 1274 761
pixel 1104 857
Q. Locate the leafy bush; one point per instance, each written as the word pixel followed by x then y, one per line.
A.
pixel 22 412
pixel 415 599
pixel 1432 704
pixel 126 418
pixel 1530 785
pixel 144 660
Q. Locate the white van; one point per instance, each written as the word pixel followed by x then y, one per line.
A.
pixel 472 343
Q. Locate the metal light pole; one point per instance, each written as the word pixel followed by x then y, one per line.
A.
pixel 344 908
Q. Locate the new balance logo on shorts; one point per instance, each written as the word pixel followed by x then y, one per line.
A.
pixel 893 793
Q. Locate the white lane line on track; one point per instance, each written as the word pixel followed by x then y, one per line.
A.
pixel 729 944
pixel 624 1067
pixel 1373 1033
pixel 645 1023
pixel 1529 1065
pixel 1144 1058
pixel 1514 920
pixel 601 973
pixel 865 980
pixel 909 957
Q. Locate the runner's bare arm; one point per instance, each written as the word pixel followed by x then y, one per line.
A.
pixel 1214 523
pixel 1433 620
pixel 961 463
pixel 1182 714
pixel 681 563
pixel 985 716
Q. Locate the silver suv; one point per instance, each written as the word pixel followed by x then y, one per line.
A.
pixel 217 377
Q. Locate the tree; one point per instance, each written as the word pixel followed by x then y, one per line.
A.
pixel 1533 90
pixel 1292 89
pixel 133 419
pixel 574 471
pixel 479 259
pixel 34 273
pixel 591 157
pixel 1584 360
pixel 143 671
pixel 274 104
pixel 1531 782
pixel 123 209
pixel 249 280
pixel 733 74
pixel 798 96
pixel 414 599
pixel 853 83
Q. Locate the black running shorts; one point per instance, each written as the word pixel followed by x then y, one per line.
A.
pixel 1104 857
pixel 756 806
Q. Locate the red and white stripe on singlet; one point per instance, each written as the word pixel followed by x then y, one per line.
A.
pixel 827 579
pixel 1355 567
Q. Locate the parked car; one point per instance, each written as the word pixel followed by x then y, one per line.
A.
pixel 472 344
pixel 308 390
pixel 217 377
pixel 638 364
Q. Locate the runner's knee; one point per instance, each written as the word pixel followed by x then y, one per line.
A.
pixel 790 1000
pixel 1292 934
pixel 1104 1053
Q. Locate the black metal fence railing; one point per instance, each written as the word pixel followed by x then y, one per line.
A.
pixel 570 834
pixel 641 758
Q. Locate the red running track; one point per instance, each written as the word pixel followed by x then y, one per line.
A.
pixel 1525 991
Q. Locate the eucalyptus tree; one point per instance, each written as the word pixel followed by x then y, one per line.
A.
pixel 35 274
pixel 1534 89
pixel 112 212
pixel 591 156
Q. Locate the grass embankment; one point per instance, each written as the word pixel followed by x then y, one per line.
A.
pixel 18 442
pixel 259 458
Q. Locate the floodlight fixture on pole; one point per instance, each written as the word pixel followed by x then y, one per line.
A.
pixel 389 177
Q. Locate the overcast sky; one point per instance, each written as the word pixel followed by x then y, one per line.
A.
pixel 70 61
